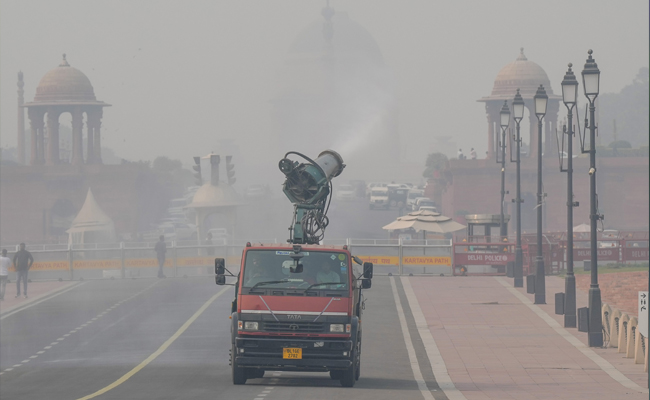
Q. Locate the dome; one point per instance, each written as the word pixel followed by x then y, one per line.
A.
pixel 209 195
pixel 520 74
pixel 64 83
pixel 348 38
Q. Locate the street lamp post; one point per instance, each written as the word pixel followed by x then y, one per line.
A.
pixel 518 115
pixel 590 81
pixel 569 97
pixel 501 148
pixel 541 100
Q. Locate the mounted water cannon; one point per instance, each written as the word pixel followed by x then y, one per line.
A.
pixel 309 187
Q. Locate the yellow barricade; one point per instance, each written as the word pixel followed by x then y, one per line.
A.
pixel 394 260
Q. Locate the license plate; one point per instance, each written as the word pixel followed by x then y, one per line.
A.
pixel 292 353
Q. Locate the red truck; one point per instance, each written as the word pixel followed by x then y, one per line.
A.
pixel 297 307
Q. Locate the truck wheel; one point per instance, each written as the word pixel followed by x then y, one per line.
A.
pixel 336 374
pixel 349 376
pixel 238 373
pixel 255 373
pixel 358 354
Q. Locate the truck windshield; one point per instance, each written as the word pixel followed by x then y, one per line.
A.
pixel 272 269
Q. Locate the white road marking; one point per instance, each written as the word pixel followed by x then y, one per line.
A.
pixel 16 366
pixel 438 365
pixel 9 369
pixel 25 361
pixel 601 362
pixel 78 328
pixel 415 367
pixel 72 286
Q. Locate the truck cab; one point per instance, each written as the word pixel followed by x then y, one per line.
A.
pixel 297 308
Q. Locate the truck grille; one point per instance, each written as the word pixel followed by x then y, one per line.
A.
pixel 297 327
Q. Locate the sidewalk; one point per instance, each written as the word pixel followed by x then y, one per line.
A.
pixel 35 290
pixel 496 347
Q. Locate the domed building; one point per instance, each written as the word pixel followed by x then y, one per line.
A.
pixel 62 89
pixel 526 76
pixel 335 91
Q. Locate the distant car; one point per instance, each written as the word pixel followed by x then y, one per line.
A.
pixel 428 208
pixel 379 198
pixel 412 195
pixel 181 230
pixel 345 192
pixel 397 195
pixel 423 201
pixel 373 185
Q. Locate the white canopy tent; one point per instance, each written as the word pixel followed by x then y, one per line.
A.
pixel 91 225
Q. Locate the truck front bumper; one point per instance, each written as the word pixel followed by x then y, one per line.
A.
pixel 317 355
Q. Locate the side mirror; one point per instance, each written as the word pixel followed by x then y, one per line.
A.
pixel 296 269
pixel 219 266
pixel 366 284
pixel 367 270
pixel 220 270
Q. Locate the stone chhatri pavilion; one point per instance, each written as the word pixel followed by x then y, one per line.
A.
pixel 63 89
pixel 527 76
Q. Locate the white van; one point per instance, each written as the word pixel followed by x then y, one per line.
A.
pixel 379 198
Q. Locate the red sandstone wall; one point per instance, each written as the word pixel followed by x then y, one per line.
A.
pixel 622 187
pixel 620 290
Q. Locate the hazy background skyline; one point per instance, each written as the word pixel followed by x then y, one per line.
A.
pixel 184 76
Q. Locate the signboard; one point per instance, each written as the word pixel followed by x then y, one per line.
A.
pixel 408 260
pixel 381 260
pixel 643 313
pixel 635 254
pixel 609 254
pixel 483 258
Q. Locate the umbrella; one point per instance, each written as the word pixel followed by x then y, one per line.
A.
pixel 425 221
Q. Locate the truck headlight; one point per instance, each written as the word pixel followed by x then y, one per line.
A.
pixel 338 328
pixel 251 325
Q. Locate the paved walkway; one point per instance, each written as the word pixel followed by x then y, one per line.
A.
pixel 497 345
pixel 35 290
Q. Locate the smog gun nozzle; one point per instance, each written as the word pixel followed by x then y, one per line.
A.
pixel 308 186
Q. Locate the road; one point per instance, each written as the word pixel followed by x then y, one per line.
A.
pixel 169 339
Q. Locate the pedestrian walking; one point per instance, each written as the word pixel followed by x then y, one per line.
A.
pixel 23 261
pixel 161 249
pixel 460 154
pixel 472 154
pixel 5 263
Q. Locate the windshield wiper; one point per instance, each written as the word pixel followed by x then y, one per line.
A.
pixel 322 283
pixel 266 283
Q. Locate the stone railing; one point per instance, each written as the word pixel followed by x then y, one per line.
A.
pixel 621 331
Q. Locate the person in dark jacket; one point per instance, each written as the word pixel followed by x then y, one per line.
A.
pixel 23 261
pixel 161 249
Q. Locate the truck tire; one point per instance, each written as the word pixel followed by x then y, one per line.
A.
pixel 239 375
pixel 351 375
pixel 336 374
pixel 255 373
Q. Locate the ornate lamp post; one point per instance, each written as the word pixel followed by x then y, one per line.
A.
pixel 541 100
pixel 591 80
pixel 501 148
pixel 569 97
pixel 518 115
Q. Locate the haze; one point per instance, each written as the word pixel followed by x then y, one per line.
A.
pixel 189 77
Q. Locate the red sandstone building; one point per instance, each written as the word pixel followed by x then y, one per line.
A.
pixel 39 197
pixel 473 186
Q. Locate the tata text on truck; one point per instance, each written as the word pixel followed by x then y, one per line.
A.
pixel 298 305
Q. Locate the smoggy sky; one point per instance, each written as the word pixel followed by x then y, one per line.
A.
pixel 184 75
